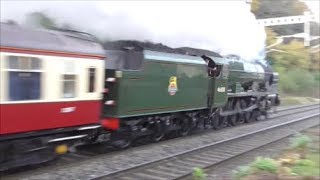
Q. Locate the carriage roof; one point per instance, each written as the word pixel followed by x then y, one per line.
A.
pixel 16 36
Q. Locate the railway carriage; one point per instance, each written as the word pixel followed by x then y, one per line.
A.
pixel 51 87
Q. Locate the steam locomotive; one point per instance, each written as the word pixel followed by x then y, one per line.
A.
pixel 60 89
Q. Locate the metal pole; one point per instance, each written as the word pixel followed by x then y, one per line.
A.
pixel 307 29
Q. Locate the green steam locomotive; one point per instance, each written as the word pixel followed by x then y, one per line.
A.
pixel 153 90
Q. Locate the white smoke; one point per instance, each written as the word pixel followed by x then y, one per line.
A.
pixel 224 26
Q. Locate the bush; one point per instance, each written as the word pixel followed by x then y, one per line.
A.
pixel 265 164
pixel 305 162
pixel 306 167
pixel 298 82
pixel 300 141
pixel 241 172
pixel 317 77
pixel 198 174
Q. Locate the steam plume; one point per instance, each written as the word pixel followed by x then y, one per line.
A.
pixel 224 26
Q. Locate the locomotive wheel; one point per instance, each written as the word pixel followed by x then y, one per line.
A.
pixel 223 121
pixel 246 116
pixel 241 118
pixel 184 126
pixel 233 119
pixel 249 115
pixel 256 115
pixel 121 139
pixel 264 112
pixel 159 132
pixel 122 143
pixel 215 121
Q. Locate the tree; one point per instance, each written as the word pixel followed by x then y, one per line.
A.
pixel 270 9
pixel 281 8
pixel 293 61
pixel 255 6
pixel 295 56
pixel 271 36
pixel 315 61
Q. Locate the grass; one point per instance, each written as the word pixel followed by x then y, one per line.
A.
pixel 259 165
pixel 265 164
pixel 291 100
pixel 241 172
pixel 199 174
pixel 300 161
pixel 300 141
pixel 309 166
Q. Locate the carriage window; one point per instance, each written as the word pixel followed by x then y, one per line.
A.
pixel 69 79
pixel 24 78
pixel 69 83
pixel 91 74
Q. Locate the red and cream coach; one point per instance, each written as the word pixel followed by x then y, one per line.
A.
pixel 51 85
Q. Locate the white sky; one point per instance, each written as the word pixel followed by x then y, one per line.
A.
pixel 226 26
pixel 314 6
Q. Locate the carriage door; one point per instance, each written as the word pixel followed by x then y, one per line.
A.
pixel 220 86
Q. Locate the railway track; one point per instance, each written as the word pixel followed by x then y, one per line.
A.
pixel 225 169
pixel 180 165
pixel 117 171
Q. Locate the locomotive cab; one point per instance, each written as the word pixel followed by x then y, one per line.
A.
pixel 217 81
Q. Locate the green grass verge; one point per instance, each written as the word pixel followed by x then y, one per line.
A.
pixel 291 100
pixel 300 161
pixel 309 168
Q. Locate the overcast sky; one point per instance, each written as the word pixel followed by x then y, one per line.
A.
pixel 314 6
pixel 224 26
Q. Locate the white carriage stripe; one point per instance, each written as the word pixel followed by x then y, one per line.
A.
pixel 89 127
pixel 67 138
pixel 51 101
